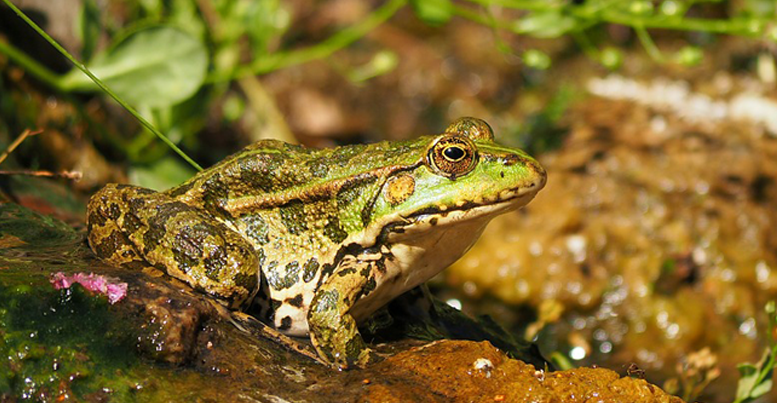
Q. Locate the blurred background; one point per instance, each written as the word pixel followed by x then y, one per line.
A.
pixel 652 250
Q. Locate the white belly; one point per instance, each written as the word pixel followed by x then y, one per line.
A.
pixel 416 260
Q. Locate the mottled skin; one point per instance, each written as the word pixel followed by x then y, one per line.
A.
pixel 319 238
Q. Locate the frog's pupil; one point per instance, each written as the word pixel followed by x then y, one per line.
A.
pixel 453 153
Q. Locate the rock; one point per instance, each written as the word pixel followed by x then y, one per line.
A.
pixel 455 370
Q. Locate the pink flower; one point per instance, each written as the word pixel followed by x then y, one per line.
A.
pixel 110 287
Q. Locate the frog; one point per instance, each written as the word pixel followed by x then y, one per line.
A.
pixel 317 240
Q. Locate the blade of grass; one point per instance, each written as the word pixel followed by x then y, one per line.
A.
pixel 102 86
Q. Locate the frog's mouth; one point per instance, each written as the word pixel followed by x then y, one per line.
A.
pixel 480 208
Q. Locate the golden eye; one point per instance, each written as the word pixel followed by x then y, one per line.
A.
pixel 452 156
pixel 454 153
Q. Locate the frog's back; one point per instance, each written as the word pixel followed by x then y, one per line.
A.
pixel 276 172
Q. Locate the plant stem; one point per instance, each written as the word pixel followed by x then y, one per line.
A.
pixel 749 27
pixel 648 44
pixel 607 14
pixel 101 85
pixel 529 5
pixel 321 50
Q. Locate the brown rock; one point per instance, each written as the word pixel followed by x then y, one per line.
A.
pixel 465 371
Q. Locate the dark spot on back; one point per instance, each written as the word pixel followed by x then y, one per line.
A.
pixel 187 249
pixel 157 228
pixel 95 218
pixel 333 230
pixel 132 223
pixel 257 228
pixel 109 244
pixel 175 192
pixel 293 217
pixel 318 168
pixel 214 194
pixel 281 278
pixel 309 271
pixel 113 212
pixel 259 172
pixel 325 301
pixel 216 262
pixel 341 155
pixel 346 272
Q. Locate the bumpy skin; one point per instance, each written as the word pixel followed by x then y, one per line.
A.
pixel 319 238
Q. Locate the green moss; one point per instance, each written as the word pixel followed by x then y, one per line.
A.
pixel 55 342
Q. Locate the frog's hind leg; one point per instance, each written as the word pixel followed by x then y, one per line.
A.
pixel 184 241
pixel 107 225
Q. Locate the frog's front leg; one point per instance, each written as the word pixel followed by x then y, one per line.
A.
pixel 131 227
pixel 333 329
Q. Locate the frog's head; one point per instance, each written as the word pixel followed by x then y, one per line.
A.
pixel 463 177
pixel 429 212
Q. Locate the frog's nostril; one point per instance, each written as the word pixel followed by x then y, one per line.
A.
pixel 508 160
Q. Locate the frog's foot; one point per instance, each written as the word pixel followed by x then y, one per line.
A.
pixel 253 326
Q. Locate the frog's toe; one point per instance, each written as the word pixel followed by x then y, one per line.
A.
pixel 366 357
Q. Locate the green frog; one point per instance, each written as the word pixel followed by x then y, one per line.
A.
pixel 319 239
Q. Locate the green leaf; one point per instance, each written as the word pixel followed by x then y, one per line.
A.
pixel 757 8
pixel 89 28
pixel 611 57
pixel 381 63
pixel 264 21
pixel 755 379
pixel 761 389
pixel 154 67
pixel 164 174
pixel 748 376
pixel 433 12
pixel 689 56
pixel 536 59
pixel 545 24
pixel 641 7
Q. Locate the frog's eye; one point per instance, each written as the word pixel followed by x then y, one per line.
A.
pixel 452 156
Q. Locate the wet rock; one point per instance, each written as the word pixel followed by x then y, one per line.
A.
pixel 450 370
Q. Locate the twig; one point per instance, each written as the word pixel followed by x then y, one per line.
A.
pixel 26 133
pixel 72 175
